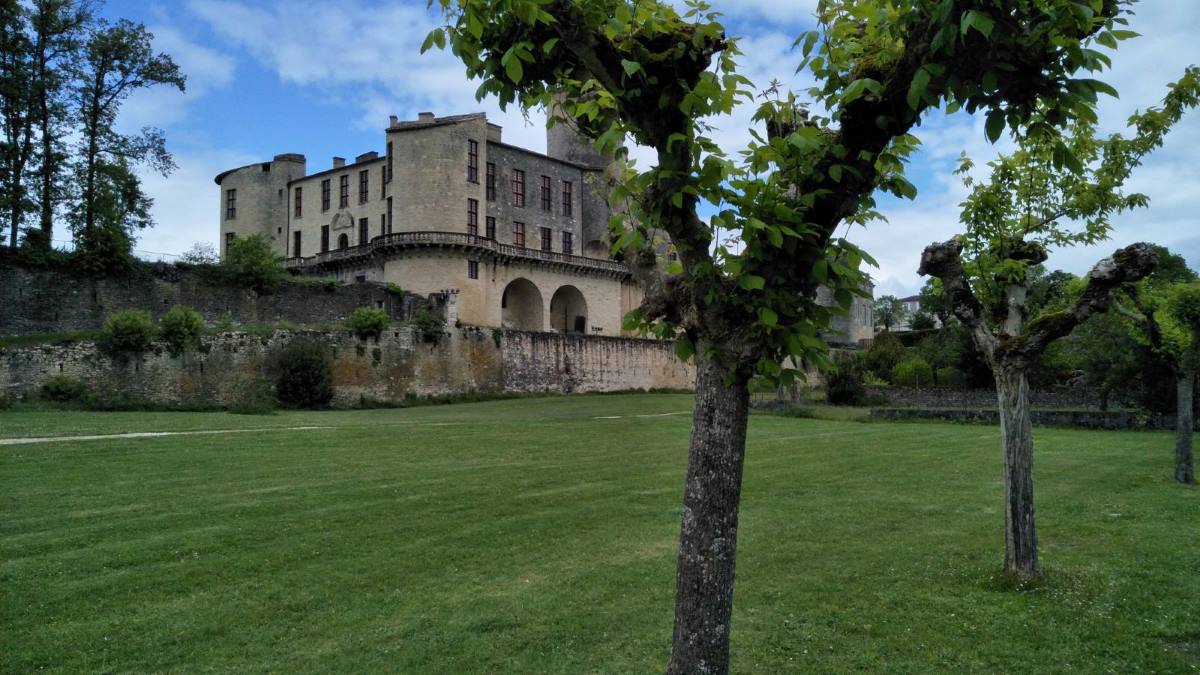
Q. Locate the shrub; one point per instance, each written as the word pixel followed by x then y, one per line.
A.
pixel 251 394
pixel 368 322
pixel 950 377
pixel 913 371
pixel 430 325
pixel 126 332
pixel 63 389
pixel 181 329
pixel 305 378
pixel 886 351
pixel 845 384
pixel 251 262
pixel 394 288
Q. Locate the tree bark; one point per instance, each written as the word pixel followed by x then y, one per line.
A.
pixel 1185 471
pixel 708 535
pixel 1020 534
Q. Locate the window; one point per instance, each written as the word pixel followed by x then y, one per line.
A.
pixel 568 197
pixel 343 191
pixel 545 193
pixel 519 234
pixel 325 195
pixel 389 215
pixel 297 210
pixel 473 217
pixel 363 235
pixel 491 182
pixel 363 183
pixel 473 162
pixel 324 238
pixel 490 233
pixel 472 269
pixel 343 241
pixel 388 168
pixel 383 181
pixel 382 224
pixel 518 187
pixel 547 239
pixel 229 237
pixel 568 243
pixel 296 244
pixel 230 204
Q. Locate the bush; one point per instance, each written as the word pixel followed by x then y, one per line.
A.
pixel 886 351
pixel 305 378
pixel 127 332
pixel 950 377
pixel 251 394
pixel 63 389
pixel 430 325
pixel 181 328
pixel 913 371
pixel 845 384
pixel 368 322
pixel 251 262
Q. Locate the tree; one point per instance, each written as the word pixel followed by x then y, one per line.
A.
pixel 117 60
pixel 251 262
pixel 1011 221
pixel 922 321
pixel 934 302
pixel 889 311
pixel 620 69
pixel 16 114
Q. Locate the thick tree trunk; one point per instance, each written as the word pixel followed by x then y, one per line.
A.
pixel 1020 535
pixel 1185 471
pixel 708 536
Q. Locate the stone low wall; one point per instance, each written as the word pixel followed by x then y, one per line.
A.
pixel 1082 419
pixel 467 359
pixel 947 397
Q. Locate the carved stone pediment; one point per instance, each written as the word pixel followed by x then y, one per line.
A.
pixel 342 221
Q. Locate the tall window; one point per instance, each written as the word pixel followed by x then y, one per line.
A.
pixel 383 181
pixel 568 197
pixel 519 234
pixel 324 238
pixel 296 244
pixel 298 209
pixel 343 241
pixel 343 191
pixel 472 162
pixel 382 224
pixel 545 193
pixel 389 215
pixel 518 187
pixel 363 235
pixel 325 195
pixel 230 204
pixel 491 181
pixel 389 163
pixel 472 269
pixel 473 217
pixel 547 239
pixel 229 237
pixel 568 243
pixel 363 183
pixel 490 233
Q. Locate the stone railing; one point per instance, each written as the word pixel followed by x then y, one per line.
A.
pixel 403 240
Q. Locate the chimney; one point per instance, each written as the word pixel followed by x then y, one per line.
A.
pixel 339 162
pixel 425 117
pixel 493 132
pixel 366 157
pixel 393 121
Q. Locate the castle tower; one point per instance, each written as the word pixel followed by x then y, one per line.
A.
pixel 564 141
pixel 254 200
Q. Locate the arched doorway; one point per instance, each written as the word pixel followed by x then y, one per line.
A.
pixel 343 241
pixel 521 306
pixel 568 311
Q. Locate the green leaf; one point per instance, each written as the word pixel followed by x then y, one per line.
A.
pixel 474 26
pixel 675 268
pixel 835 172
pixel 994 125
pixel 979 21
pixel 684 348
pixel 751 282
pixel 916 90
pixel 820 271
pixel 435 37
pixel 775 236
pixel 630 67
pixel 767 316
pixel 549 45
pixel 512 66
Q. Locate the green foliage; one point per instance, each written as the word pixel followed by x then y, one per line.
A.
pixel 913 371
pixel 129 331
pixel 950 377
pixel 889 311
pixel 885 352
pixel 844 385
pixel 251 262
pixel 304 375
pixel 934 301
pixel 369 322
pixel 430 326
pixel 63 389
pixel 1184 305
pixel 181 328
pixel 921 321
pixel 251 394
pixel 394 288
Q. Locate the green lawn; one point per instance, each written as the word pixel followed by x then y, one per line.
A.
pixel 527 535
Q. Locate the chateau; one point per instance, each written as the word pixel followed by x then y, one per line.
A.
pixel 515 238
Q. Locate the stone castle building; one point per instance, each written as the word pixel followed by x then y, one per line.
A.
pixel 517 238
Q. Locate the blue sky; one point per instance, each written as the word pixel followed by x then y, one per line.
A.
pixel 320 78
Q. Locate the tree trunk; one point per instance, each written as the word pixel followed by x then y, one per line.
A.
pixel 1020 535
pixel 1185 471
pixel 708 536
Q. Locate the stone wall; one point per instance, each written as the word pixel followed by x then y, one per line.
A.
pixel 465 360
pixel 948 397
pixel 1078 419
pixel 53 301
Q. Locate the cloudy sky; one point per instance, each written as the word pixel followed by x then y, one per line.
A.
pixel 320 78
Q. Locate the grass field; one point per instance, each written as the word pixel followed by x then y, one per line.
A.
pixel 530 536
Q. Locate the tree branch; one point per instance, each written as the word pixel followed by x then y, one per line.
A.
pixel 944 261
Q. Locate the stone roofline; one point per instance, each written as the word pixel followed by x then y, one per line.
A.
pixel 338 169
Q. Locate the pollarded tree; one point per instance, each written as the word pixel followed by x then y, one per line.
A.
pixel 1029 204
pixel 889 311
pixel 637 70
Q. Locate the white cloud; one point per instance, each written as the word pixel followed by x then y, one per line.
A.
pixel 207 70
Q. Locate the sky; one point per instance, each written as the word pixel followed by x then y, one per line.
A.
pixel 321 78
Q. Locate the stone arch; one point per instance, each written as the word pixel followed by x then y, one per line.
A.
pixel 568 311
pixel 521 306
pixel 343 240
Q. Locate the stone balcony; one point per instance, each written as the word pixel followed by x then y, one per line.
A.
pixel 476 246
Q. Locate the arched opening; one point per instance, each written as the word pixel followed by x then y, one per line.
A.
pixel 343 241
pixel 521 306
pixel 568 311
